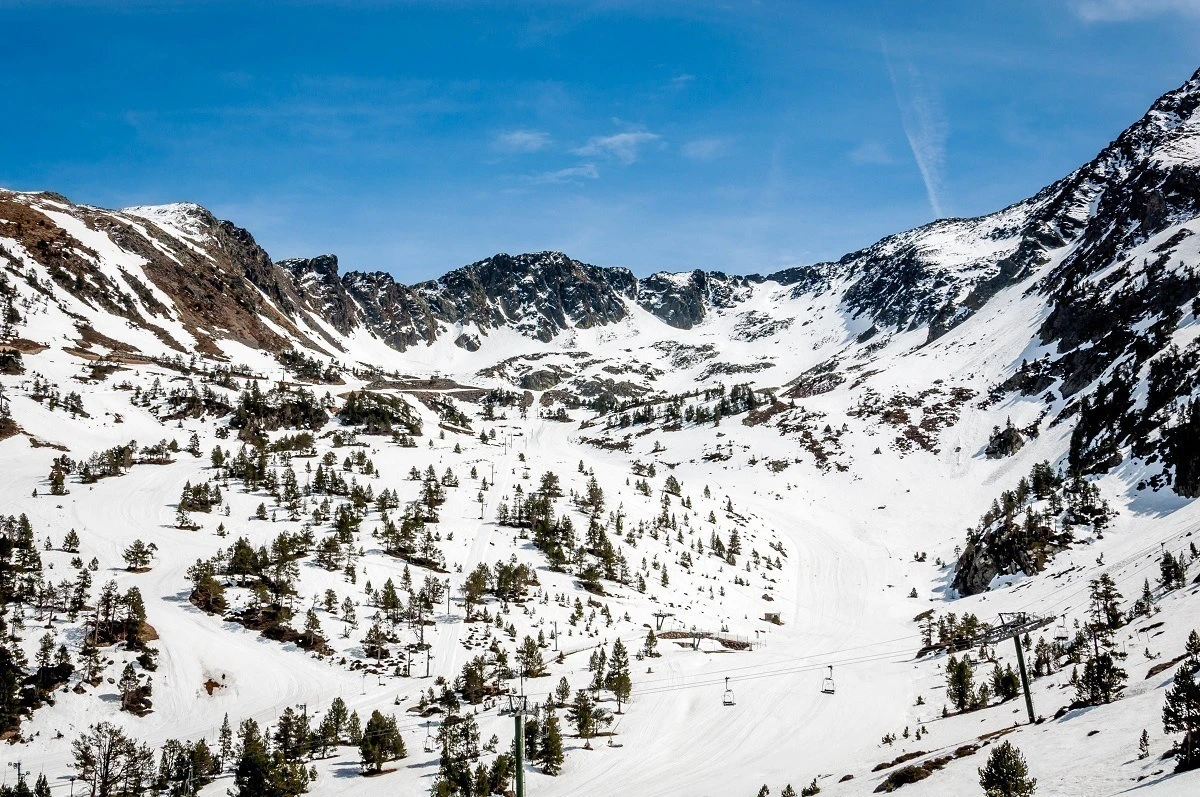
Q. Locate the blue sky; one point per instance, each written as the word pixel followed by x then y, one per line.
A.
pixel 414 137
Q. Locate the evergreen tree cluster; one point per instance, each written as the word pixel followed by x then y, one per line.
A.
pixel 1181 709
pixel 309 368
pixel 279 408
pixel 708 405
pixel 1025 527
pixel 379 413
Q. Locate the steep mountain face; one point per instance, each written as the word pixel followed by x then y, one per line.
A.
pixel 684 300
pixel 538 295
pixel 175 271
pixel 935 276
pixel 317 281
pixel 1122 300
pixel 931 278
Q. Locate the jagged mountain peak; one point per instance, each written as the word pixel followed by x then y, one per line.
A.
pixel 298 267
pixel 1172 115
pixel 551 267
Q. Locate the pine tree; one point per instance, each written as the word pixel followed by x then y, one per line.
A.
pixel 562 691
pixel 44 657
pixel 960 683
pixel 134 618
pixel 533 737
pixel 138 555
pixel 1102 680
pixel 291 734
pixel 1173 571
pixel 1181 711
pixel 619 680
pixel 1005 684
pixel 128 686
pixel 650 648
pixel 550 746
pixel 252 776
pixel 582 713
pixel 381 742
pixel 598 666
pixel 109 762
pixel 1006 774
pixel 1105 609
pixel 459 740
pixel 375 642
pixel 529 658
pixel 89 662
pixel 312 628
pixel 224 743
pixel 338 718
pixel 12 675
pixel 1144 744
pixel 1145 604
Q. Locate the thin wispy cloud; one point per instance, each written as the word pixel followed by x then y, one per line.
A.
pixel 681 81
pixel 571 174
pixel 1124 10
pixel 522 141
pixel 703 149
pixel 623 147
pixel 924 125
pixel 872 153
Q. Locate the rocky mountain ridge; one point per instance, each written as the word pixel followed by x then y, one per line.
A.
pixel 932 277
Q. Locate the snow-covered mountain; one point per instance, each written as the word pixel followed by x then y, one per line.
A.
pixel 975 416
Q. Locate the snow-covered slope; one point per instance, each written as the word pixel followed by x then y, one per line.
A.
pixel 872 430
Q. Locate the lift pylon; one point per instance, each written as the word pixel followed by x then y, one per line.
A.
pixel 1016 625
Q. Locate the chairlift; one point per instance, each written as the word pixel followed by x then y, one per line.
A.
pixel 430 742
pixel 1060 632
pixel 728 698
pixel 827 685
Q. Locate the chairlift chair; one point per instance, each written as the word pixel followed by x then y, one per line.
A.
pixel 728 698
pixel 827 685
pixel 1060 633
pixel 430 742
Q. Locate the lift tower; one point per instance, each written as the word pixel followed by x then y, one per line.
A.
pixel 1016 625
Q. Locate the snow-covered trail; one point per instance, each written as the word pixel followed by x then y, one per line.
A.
pixel 685 741
pixel 502 464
